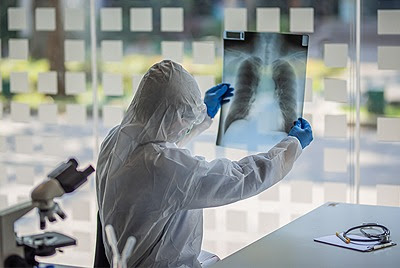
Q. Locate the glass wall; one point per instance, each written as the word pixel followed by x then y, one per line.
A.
pixel 46 110
pixel 380 103
pixel 48 107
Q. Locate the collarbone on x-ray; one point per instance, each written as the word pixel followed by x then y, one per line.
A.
pixel 268 74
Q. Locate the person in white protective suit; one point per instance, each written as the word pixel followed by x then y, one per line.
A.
pixel 150 188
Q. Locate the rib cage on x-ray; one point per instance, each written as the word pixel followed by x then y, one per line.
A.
pixel 266 51
pixel 248 78
pixel 285 91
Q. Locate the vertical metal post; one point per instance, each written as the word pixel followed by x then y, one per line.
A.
pixel 357 100
pixel 351 114
pixel 93 46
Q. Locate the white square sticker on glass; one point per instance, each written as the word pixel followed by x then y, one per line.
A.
pixel 172 19
pixel 23 198
pixel 25 175
pixel 335 126
pixel 205 82
pixel 3 144
pixel 141 19
pixel 389 21
pixel 48 113
pixel 172 50
pixel 74 19
pixel 389 129
pixel 19 82
pixel 75 83
pixel 308 94
pixel 268 222
pixel 81 210
pixel 335 192
pixel 210 219
pixel 112 84
pixel 76 114
pixel 203 52
pixel 237 220
pixel 3 181
pixel 111 50
pixel 53 146
pixel 85 241
pixel 111 19
pixel 273 193
pixel 3 198
pixel 136 82
pixel 335 160
pixel 45 18
pixel 389 57
pixel 20 112
pixel 268 19
pixel 74 50
pixel 235 19
pixel 335 90
pixel 17 19
pixel 335 55
pixel 112 115
pixel 388 195
pixel 24 144
pixel 47 82
pixel 301 191
pixel 302 20
pixel 18 49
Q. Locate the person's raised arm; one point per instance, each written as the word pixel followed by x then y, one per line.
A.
pixel 195 183
pixel 223 181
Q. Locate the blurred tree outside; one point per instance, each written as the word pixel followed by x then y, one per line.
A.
pixel 50 45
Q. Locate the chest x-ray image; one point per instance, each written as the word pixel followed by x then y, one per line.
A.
pixel 268 72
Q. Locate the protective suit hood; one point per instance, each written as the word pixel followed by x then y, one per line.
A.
pixel 167 103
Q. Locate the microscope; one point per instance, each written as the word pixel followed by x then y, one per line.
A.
pixel 18 251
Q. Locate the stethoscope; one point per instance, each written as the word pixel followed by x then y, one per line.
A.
pixel 382 237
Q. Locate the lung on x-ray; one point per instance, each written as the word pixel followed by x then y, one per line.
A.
pixel 268 72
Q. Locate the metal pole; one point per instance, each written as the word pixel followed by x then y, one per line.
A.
pixel 93 45
pixel 357 100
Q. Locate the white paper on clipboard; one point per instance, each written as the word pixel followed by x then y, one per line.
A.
pixel 336 241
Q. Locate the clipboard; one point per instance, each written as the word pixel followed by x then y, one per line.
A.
pixel 333 240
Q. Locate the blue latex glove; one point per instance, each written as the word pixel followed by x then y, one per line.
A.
pixel 217 96
pixel 302 131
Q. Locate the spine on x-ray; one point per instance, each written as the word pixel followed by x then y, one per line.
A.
pixel 248 78
pixel 285 91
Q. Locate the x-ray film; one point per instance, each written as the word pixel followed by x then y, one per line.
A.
pixel 268 72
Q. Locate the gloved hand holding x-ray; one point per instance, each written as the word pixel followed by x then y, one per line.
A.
pixel 268 73
pixel 302 131
pixel 217 96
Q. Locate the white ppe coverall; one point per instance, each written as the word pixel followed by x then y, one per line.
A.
pixel 156 192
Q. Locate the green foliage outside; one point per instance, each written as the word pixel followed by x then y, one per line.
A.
pixel 138 64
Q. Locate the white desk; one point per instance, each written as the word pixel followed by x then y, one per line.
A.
pixel 293 245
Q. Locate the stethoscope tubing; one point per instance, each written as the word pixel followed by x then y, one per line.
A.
pixel 384 236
